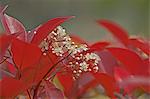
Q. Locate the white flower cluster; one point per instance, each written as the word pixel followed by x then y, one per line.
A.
pixel 59 42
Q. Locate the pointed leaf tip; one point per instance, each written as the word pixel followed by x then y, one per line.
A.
pixel 43 31
pixel 116 30
pixel 132 61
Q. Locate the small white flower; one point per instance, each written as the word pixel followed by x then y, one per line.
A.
pixel 84 66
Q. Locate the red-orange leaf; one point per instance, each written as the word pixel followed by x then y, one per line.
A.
pixel 4 41
pixel 77 39
pixel 46 28
pixel 120 73
pixel 67 83
pixel 132 62
pixel 11 87
pixel 116 30
pixel 25 54
pixel 107 82
pixel 145 47
pixel 98 46
pixel 53 92
pixel 12 26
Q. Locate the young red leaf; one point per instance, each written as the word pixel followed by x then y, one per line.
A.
pixel 12 26
pixel 138 43
pixel 67 83
pixel 133 82
pixel 24 54
pixel 77 39
pixel 10 87
pixel 11 68
pixel 99 46
pixel 40 70
pixel 4 41
pixel 43 31
pixel 132 62
pixel 53 92
pixel 107 82
pixel 116 30
pixel 108 62
pixel 120 74
pixel 87 86
pixel 2 8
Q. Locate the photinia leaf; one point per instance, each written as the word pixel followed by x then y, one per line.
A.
pixel 48 27
pixel 10 87
pixel 90 84
pixel 99 46
pixel 40 70
pixel 108 62
pixel 12 26
pixel 120 74
pixel 77 39
pixel 24 54
pixel 140 44
pixel 43 66
pixel 67 83
pixel 11 68
pixel 5 41
pixel 133 82
pixel 53 92
pixel 116 30
pixel 2 8
pixel 107 82
pixel 132 62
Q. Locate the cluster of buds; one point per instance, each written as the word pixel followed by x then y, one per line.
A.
pixel 79 61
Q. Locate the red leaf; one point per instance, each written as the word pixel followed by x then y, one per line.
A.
pixel 11 87
pixel 141 45
pixel 107 82
pixel 24 54
pixel 120 74
pixel 132 62
pixel 44 65
pixel 5 41
pixel 87 86
pixel 98 46
pixel 48 27
pixel 116 30
pixel 12 26
pixel 2 8
pixel 52 91
pixel 36 73
pixel 11 68
pixel 77 39
pixel 133 82
pixel 108 62
pixel 67 83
